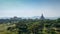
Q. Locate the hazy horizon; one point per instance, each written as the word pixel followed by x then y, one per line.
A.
pixel 29 8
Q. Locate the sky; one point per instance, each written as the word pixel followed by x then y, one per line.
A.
pixel 29 8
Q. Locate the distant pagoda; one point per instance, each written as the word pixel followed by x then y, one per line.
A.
pixel 42 17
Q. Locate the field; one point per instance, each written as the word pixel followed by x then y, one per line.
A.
pixel 3 29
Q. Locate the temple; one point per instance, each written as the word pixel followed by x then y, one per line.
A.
pixel 42 17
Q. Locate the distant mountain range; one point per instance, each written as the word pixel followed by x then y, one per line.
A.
pixel 30 17
pixel 46 17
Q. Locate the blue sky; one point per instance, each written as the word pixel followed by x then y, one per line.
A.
pixel 29 8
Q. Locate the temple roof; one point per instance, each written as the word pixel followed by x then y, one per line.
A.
pixel 42 17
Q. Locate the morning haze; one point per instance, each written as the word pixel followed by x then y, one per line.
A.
pixel 29 8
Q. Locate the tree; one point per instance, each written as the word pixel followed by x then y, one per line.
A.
pixel 22 28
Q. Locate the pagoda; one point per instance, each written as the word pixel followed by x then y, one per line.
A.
pixel 42 17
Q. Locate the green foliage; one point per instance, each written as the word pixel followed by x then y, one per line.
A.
pixel 31 26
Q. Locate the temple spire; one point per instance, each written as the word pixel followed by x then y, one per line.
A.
pixel 42 17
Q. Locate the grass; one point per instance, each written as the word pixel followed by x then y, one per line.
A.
pixel 3 29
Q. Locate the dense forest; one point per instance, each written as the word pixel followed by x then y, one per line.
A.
pixel 31 26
